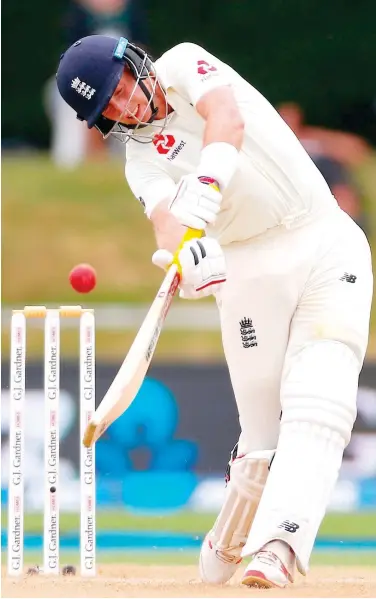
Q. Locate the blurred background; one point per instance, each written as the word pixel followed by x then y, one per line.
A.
pixel 65 201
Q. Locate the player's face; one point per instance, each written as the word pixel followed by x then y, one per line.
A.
pixel 126 96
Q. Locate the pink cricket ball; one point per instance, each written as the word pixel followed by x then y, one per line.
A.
pixel 83 278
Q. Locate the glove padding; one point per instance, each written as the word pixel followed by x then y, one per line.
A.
pixel 196 203
pixel 202 264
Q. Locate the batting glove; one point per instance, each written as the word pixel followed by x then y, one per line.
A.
pixel 197 202
pixel 203 267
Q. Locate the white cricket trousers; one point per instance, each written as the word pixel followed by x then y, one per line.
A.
pixel 286 289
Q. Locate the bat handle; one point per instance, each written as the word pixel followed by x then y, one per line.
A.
pixel 188 235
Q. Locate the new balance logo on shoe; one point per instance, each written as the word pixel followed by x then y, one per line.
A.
pixel 289 526
pixel 247 333
pixel 348 278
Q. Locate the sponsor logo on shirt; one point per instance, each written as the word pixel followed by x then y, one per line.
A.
pixel 176 150
pixel 164 143
pixel 206 70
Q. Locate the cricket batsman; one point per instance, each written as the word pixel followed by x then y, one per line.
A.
pixel 290 271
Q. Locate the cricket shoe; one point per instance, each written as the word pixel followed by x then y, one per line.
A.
pixel 266 570
pixel 217 566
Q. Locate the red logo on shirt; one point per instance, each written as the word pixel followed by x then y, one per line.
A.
pixel 204 67
pixel 163 143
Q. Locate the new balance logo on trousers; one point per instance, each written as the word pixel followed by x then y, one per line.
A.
pixel 289 526
pixel 348 278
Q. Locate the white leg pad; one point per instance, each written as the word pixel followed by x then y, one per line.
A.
pixel 221 549
pixel 319 408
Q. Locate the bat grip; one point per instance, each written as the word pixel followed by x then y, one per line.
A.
pixel 188 235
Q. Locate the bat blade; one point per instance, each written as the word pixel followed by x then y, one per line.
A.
pixel 131 374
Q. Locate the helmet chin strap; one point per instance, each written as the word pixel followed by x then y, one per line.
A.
pixel 154 109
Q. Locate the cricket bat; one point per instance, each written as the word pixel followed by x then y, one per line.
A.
pixel 132 372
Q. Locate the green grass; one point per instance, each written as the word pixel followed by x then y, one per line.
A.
pixel 343 526
pixel 337 558
pixel 112 346
pixel 344 558
pixel 53 219
pixel 122 520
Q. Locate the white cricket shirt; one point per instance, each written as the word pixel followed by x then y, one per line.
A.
pixel 275 183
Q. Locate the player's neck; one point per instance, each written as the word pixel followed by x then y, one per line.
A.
pixel 164 108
